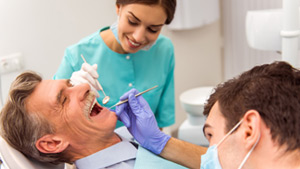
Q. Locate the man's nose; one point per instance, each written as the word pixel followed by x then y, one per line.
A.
pixel 139 34
pixel 80 91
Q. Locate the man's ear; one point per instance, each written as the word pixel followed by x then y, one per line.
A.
pixel 252 128
pixel 51 144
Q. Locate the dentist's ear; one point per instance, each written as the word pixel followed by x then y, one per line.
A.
pixel 118 9
pixel 252 128
pixel 51 144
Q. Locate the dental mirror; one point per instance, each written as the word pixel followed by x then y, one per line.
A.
pixel 106 98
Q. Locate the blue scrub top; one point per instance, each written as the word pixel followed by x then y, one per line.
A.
pixel 118 73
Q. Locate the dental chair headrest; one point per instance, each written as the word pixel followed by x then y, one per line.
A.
pixel 14 159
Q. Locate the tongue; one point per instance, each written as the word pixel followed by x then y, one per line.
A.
pixel 96 110
pixel 94 113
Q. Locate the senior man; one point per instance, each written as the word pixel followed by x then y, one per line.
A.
pixel 253 121
pixel 54 122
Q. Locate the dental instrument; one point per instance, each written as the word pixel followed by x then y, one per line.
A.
pixel 123 101
pixel 106 98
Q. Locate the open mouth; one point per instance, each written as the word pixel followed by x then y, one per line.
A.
pixel 95 109
pixel 134 44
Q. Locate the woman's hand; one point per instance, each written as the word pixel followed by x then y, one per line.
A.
pixel 138 117
pixel 87 74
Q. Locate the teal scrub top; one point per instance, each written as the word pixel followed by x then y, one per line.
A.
pixel 118 73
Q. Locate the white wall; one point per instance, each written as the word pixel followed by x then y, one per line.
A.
pixel 42 29
pixel 198 61
pixel 238 56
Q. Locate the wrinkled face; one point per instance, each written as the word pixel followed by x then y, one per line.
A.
pixel 139 25
pixel 230 150
pixel 71 110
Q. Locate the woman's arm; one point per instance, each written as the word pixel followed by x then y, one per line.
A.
pixel 141 123
pixel 183 153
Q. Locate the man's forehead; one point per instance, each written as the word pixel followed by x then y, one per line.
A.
pixel 214 113
pixel 44 95
pixel 46 88
pixel 215 118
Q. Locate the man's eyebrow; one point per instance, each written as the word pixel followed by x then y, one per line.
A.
pixel 204 127
pixel 68 81
pixel 58 96
pixel 140 20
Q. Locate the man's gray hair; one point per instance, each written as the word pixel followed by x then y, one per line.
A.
pixel 20 128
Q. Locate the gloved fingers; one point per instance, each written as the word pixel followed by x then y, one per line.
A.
pixel 121 112
pixel 95 66
pixel 81 77
pixel 95 92
pixel 119 109
pixel 134 104
pixel 125 95
pixel 125 119
pixel 76 79
pixel 85 77
pixel 140 106
pixel 90 69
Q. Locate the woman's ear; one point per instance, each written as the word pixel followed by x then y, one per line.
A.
pixel 118 7
pixel 252 128
pixel 51 144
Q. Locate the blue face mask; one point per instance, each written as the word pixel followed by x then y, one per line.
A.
pixel 210 160
pixel 114 29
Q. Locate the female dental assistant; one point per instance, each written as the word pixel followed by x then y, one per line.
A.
pixel 131 54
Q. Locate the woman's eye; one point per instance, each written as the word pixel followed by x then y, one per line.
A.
pixel 132 23
pixel 152 31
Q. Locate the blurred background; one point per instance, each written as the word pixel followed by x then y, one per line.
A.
pixel 210 48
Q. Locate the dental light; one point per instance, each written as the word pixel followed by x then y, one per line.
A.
pixel 276 30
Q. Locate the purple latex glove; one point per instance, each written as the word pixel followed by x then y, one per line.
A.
pixel 138 117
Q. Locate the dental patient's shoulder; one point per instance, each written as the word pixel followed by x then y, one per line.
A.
pixel 124 133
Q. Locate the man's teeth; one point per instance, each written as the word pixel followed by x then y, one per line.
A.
pixel 93 104
pixel 134 44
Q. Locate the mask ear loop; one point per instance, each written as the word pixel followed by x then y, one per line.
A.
pixel 234 128
pixel 248 154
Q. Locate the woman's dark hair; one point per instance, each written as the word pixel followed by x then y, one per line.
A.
pixel 168 5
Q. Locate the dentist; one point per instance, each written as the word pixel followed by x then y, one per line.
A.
pixel 131 53
pixel 253 121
